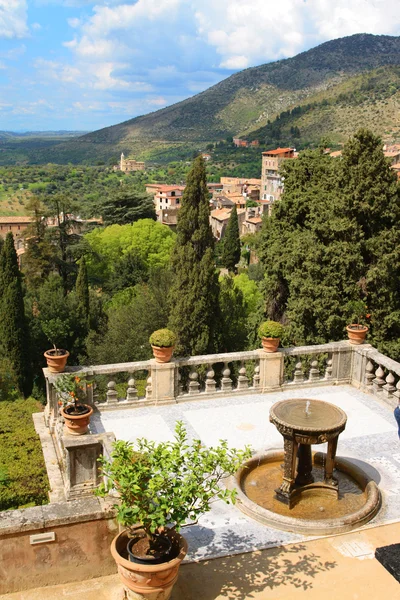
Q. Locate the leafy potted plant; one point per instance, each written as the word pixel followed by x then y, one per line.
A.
pixel 357 330
pixel 163 342
pixel 71 391
pixel 270 333
pixel 161 488
pixel 55 329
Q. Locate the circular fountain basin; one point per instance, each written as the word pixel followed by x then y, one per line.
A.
pixel 311 513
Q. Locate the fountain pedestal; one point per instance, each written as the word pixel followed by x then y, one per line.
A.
pixel 302 423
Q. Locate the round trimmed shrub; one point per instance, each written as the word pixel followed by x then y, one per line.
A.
pixel 163 338
pixel 270 329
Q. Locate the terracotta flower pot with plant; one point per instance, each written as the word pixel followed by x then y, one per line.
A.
pixel 270 333
pixel 161 488
pixel 55 329
pixel 357 330
pixel 163 342
pixel 71 391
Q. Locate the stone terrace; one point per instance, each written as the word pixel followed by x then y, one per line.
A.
pixel 218 396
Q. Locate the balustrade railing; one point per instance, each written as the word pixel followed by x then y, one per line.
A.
pixel 147 382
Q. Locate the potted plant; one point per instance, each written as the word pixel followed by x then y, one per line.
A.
pixel 162 342
pixel 161 488
pixel 55 329
pixel 270 333
pixel 71 391
pixel 357 330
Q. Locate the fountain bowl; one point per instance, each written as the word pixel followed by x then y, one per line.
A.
pixel 359 502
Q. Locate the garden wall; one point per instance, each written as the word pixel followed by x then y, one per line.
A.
pixel 82 532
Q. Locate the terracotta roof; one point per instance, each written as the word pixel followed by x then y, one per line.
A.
pixel 170 188
pixel 278 151
pixel 396 166
pixel 336 153
pixel 254 220
pixel 221 214
pixel 17 219
pixel 390 153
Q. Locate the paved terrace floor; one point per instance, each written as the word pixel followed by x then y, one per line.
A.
pixel 370 439
pixel 234 558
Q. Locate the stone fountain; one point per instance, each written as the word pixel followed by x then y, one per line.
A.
pixel 302 423
pixel 299 491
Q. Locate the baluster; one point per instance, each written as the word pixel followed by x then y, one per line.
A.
pixel 389 388
pixel 378 382
pixel 243 380
pixel 328 370
pixel 369 374
pixel 298 375
pixel 112 394
pixel 256 377
pixel 211 384
pixel 194 385
pixel 96 398
pixel 131 392
pixel 396 394
pixel 181 391
pixel 226 381
pixel 89 392
pixel 149 389
pixel 314 371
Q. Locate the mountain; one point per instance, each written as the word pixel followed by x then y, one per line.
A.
pixel 331 88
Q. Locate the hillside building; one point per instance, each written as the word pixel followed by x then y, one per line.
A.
pixel 271 179
pixel 127 165
pixel 17 225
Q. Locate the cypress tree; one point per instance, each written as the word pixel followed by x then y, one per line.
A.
pixel 13 325
pixel 194 292
pixel 82 288
pixel 231 243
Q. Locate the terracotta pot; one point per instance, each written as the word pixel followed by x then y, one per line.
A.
pixel 150 582
pixel 77 424
pixel 357 333
pixel 270 344
pixel 162 355
pixel 56 362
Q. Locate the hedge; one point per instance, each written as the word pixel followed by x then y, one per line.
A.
pixel 23 477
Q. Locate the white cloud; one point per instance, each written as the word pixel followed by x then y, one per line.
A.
pixel 13 18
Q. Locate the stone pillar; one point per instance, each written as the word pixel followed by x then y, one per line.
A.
pixel 81 455
pixel 271 370
pixel 342 356
pixel 163 381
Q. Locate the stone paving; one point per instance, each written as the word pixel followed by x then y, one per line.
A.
pixel 370 438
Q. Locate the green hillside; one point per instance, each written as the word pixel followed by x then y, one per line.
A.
pixel 343 83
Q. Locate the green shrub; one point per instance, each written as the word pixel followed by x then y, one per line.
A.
pixel 270 329
pixel 23 477
pixel 163 338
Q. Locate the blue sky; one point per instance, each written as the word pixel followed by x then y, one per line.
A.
pixel 79 64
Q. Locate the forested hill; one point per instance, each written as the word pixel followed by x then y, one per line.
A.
pixel 246 101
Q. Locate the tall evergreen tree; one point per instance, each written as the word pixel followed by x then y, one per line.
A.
pixel 194 293
pixel 13 326
pixel 231 243
pixel 82 288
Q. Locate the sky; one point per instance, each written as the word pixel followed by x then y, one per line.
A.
pixel 84 65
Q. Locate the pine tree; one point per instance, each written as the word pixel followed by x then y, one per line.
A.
pixel 13 326
pixel 82 288
pixel 231 243
pixel 194 293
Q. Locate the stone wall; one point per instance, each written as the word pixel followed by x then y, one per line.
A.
pixel 75 547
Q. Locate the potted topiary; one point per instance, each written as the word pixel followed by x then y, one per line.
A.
pixel 71 391
pixel 161 488
pixel 162 342
pixel 55 329
pixel 270 333
pixel 357 330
